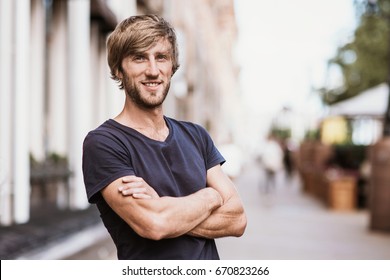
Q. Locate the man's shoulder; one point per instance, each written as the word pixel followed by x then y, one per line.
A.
pixel 186 125
pixel 107 132
pixel 104 127
pixel 107 128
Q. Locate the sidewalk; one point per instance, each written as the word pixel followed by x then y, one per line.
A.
pixel 50 234
pixel 287 224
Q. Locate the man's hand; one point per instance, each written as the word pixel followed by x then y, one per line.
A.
pixel 136 187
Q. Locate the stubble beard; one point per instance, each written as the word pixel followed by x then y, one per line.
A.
pixel 135 95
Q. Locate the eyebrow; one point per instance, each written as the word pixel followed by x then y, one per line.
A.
pixel 145 53
pixel 167 53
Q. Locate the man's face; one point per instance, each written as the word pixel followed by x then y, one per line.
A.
pixel 146 76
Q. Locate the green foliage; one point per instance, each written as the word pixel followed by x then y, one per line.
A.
pixel 281 133
pixel 312 134
pixel 364 62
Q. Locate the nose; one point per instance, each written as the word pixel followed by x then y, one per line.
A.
pixel 152 68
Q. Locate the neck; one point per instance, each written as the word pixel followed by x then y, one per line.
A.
pixel 149 122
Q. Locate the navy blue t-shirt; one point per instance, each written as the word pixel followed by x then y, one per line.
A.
pixel 174 167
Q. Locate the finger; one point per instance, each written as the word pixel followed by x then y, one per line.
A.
pixel 141 196
pixel 133 191
pixel 131 178
pixel 131 185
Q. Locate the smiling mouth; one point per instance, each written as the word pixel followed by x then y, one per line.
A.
pixel 151 84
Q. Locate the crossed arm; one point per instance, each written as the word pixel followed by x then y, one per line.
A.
pixel 212 212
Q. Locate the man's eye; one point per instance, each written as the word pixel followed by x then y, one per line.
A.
pixel 162 57
pixel 138 58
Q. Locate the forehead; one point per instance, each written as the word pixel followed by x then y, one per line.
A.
pixel 161 46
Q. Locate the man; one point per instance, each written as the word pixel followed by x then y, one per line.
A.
pixel 157 182
pixel 272 159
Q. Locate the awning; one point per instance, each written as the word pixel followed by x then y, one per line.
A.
pixel 372 102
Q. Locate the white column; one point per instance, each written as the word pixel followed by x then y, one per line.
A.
pixel 6 32
pixel 103 73
pixel 21 168
pixel 57 81
pixel 37 104
pixel 79 106
pixel 97 109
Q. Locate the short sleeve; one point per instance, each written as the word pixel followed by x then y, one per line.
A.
pixel 213 156
pixel 104 160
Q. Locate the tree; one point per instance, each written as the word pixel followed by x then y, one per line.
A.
pixel 364 60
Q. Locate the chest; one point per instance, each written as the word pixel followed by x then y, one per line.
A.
pixel 176 168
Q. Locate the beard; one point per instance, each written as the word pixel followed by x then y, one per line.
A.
pixel 150 101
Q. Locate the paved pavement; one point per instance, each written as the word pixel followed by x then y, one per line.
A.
pixel 288 224
pixel 284 224
pixel 48 227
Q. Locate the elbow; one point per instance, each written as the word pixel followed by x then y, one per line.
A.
pixel 153 235
pixel 241 226
pixel 155 230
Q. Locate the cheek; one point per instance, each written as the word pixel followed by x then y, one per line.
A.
pixel 168 71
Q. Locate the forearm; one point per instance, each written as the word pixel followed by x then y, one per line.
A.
pixel 180 215
pixel 227 220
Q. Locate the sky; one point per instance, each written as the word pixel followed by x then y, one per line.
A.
pixel 283 49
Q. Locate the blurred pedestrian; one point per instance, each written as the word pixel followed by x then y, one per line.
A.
pixel 157 181
pixel 287 159
pixel 272 161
